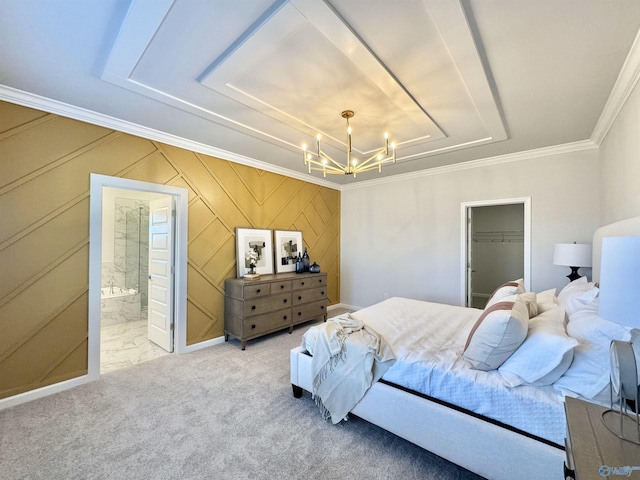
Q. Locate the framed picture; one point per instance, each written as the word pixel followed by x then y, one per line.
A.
pixel 287 245
pixel 254 252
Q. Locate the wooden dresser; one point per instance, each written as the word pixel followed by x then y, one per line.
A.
pixel 253 308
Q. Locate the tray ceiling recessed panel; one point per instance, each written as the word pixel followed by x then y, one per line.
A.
pixel 282 72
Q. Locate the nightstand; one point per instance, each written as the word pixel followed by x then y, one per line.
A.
pixel 592 447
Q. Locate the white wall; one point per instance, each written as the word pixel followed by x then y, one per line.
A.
pixel 620 164
pixel 403 237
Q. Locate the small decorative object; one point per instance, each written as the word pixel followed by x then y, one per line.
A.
pixel 305 261
pixel 259 242
pixel 251 258
pixel 315 268
pixel 299 264
pixel 287 245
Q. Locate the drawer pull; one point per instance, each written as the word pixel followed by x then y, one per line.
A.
pixel 258 291
pixel 322 307
pixel 285 300
pixel 299 297
pixel 253 325
pixel 253 307
pixel 321 293
pixel 281 287
pixel 299 313
pixel 302 283
pixel 284 318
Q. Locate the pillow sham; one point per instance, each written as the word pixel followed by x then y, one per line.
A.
pixel 497 333
pixel 589 371
pixel 506 289
pixel 545 354
pixel 577 295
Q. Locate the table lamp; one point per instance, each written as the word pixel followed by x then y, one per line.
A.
pixel 572 255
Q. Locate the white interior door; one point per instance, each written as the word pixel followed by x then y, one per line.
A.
pixel 469 267
pixel 161 272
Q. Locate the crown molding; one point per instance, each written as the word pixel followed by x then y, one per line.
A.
pixel 485 162
pixel 38 102
pixel 625 83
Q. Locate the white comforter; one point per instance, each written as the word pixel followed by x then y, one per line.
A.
pixel 428 339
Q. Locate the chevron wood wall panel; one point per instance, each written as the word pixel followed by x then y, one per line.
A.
pixel 45 164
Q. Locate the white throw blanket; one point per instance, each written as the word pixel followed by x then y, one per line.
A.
pixel 348 357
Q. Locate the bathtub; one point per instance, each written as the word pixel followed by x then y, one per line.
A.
pixel 115 292
pixel 119 305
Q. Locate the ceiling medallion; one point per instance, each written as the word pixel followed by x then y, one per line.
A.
pixel 320 161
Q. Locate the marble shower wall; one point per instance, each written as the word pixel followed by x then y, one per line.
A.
pixel 130 267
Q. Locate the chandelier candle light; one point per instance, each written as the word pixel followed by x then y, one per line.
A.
pixel 322 162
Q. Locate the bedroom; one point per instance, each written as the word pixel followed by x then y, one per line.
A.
pixel 575 186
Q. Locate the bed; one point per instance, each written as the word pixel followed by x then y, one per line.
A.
pixel 431 397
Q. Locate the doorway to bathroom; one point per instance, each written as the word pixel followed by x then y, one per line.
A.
pixel 127 337
pixel 137 270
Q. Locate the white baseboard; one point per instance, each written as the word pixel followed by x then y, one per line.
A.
pixel 42 392
pixel 343 305
pixel 74 382
pixel 205 344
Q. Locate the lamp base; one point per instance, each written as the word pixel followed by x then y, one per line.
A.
pixel 574 275
pixel 622 426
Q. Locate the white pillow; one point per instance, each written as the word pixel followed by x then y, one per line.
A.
pixel 498 332
pixel 589 371
pixel 529 299
pixel 545 354
pixel 577 295
pixel 546 300
pixel 505 290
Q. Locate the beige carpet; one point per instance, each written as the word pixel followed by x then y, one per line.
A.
pixel 218 413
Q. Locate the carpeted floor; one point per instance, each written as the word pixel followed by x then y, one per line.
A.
pixel 218 413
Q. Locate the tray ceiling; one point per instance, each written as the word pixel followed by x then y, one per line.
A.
pixel 451 81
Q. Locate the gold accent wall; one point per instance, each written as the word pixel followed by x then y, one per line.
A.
pixel 45 165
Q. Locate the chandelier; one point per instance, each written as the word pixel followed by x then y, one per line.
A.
pixel 321 162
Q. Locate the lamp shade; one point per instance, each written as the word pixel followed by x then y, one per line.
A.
pixel 620 280
pixel 572 254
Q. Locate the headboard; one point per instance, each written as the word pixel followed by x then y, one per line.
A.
pixel 623 228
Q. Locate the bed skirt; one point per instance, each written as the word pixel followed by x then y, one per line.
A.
pixel 482 447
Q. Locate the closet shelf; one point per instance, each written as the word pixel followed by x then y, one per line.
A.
pixel 514 236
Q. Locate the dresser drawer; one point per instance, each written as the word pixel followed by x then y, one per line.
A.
pixel 310 282
pixel 256 291
pixel 258 306
pixel 280 287
pixel 309 311
pixel 268 322
pixel 309 295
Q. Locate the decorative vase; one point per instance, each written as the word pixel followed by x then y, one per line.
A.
pixel 315 268
pixel 305 261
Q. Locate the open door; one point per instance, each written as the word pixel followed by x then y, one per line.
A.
pixel 496 246
pixel 161 272
pixel 469 266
